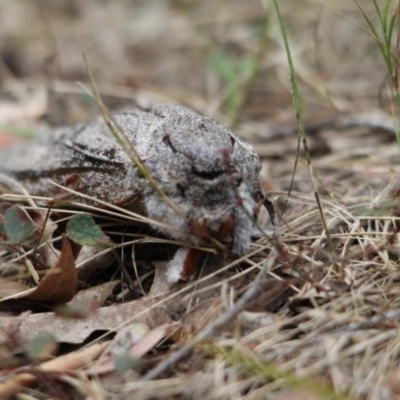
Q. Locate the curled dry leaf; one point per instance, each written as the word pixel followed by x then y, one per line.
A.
pixel 59 283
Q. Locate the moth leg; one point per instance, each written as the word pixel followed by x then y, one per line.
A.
pixel 269 205
pixel 183 265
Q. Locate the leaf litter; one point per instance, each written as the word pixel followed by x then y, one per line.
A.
pixel 334 318
pixel 323 311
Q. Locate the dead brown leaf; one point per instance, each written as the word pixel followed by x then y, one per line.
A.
pixel 105 319
pixel 60 282
pixel 152 310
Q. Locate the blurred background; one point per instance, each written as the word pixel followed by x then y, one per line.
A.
pixel 225 58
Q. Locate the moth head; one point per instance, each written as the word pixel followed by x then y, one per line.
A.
pixel 209 174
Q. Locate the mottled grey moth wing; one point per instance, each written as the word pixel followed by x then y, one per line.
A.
pixel 87 151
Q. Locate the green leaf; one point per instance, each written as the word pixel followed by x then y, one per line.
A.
pixel 42 346
pixel 124 363
pixel 82 229
pixel 18 225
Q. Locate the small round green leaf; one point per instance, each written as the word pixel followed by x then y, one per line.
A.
pixel 82 229
pixel 42 346
pixel 17 225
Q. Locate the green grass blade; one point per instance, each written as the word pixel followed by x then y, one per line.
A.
pixel 300 120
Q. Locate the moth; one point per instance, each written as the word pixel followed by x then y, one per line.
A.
pixel 210 177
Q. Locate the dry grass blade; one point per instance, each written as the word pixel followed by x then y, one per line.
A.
pixel 124 142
